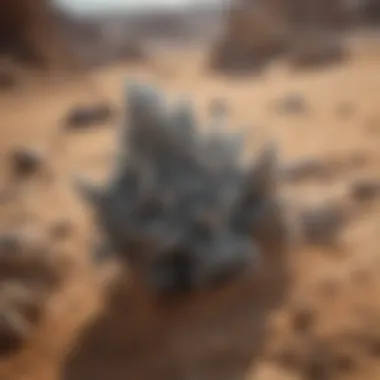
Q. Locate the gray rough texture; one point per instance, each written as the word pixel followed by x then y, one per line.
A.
pixel 28 277
pixel 179 206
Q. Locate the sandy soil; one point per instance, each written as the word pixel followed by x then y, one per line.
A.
pixel 341 290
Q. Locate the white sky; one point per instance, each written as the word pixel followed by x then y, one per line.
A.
pixel 98 5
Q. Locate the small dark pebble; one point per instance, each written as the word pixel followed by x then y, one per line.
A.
pixel 292 104
pixel 303 169
pixel 313 52
pixel 322 225
pixel 25 161
pixel 303 320
pixel 10 244
pixel 364 190
pixel 86 116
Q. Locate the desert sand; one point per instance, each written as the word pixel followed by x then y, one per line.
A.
pixel 340 290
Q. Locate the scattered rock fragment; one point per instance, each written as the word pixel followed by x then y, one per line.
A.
pixel 26 161
pixel 303 319
pixel 365 189
pixel 11 244
pixel 312 51
pixel 322 224
pixel 24 256
pixel 20 310
pixel 29 274
pixel 87 116
pixel 304 169
pixel 292 104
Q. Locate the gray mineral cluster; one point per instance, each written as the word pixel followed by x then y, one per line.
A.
pixel 179 206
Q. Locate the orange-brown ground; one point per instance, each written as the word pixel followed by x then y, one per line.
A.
pixel 344 289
